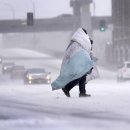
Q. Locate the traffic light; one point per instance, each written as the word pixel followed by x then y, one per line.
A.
pixel 102 25
pixel 30 19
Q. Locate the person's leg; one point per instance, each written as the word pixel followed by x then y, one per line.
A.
pixel 82 89
pixel 82 83
pixel 69 86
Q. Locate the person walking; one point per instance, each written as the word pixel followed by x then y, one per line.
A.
pixel 76 64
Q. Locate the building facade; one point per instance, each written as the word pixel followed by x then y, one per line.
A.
pixel 121 30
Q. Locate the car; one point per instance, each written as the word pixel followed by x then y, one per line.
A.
pixel 0 60
pixel 7 67
pixel 37 76
pixel 17 72
pixel 1 65
pixel 123 71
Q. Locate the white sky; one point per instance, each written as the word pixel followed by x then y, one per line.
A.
pixel 45 8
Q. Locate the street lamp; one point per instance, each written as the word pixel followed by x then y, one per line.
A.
pixel 12 9
pixel 94 7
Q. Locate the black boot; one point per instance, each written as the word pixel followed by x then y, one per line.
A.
pixel 66 92
pixel 84 95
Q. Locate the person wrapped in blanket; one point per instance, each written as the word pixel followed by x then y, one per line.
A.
pixel 76 64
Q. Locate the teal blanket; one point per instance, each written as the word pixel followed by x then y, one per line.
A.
pixel 75 67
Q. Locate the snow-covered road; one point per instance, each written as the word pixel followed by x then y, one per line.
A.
pixel 37 107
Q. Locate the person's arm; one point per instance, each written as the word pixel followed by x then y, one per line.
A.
pixel 95 59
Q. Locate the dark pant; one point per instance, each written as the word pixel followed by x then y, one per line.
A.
pixel 81 81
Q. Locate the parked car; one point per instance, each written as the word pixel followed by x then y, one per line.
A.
pixel 37 75
pixel 7 67
pixel 17 72
pixel 0 60
pixel 123 71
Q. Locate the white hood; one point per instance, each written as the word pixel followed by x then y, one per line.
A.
pixel 82 38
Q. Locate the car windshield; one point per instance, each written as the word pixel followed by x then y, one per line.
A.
pixel 36 71
pixel 128 65
pixel 8 64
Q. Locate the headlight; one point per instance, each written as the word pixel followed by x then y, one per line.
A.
pixel 5 68
pixel 49 81
pixel 48 77
pixel 30 77
pixel 30 82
